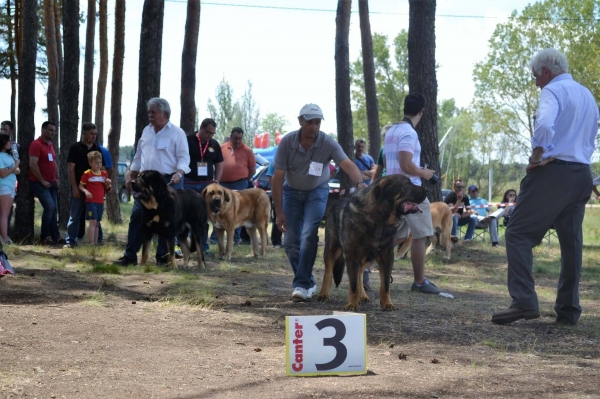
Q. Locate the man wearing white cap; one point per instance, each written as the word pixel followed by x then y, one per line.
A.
pixel 302 158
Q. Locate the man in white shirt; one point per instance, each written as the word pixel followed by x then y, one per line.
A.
pixel 566 126
pixel 163 147
pixel 402 151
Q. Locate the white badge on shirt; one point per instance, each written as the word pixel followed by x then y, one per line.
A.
pixel 50 158
pixel 162 144
pixel 202 169
pixel 315 169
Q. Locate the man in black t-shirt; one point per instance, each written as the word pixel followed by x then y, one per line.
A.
pixel 461 215
pixel 77 163
pixel 206 160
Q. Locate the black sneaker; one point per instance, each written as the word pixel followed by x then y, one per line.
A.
pixel 427 287
pixel 125 262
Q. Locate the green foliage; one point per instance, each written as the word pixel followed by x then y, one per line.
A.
pixel 506 95
pixel 272 123
pixel 228 113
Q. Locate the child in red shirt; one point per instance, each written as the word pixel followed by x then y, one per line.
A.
pixel 94 183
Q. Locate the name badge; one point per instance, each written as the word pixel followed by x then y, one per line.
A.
pixel 315 169
pixel 202 169
pixel 162 144
pixel 50 157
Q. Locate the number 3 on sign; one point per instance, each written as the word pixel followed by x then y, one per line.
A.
pixel 326 345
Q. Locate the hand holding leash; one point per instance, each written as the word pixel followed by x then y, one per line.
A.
pixel 281 223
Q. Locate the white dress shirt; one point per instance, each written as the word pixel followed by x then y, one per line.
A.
pixel 165 151
pixel 566 124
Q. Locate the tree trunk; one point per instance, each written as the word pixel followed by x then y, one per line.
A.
pixel 25 205
pixel 12 65
pixel 88 68
pixel 59 51
pixel 113 209
pixel 188 67
pixel 149 64
pixel 52 60
pixel 70 102
pixel 369 76
pixel 422 79
pixel 19 32
pixel 342 84
pixel 101 90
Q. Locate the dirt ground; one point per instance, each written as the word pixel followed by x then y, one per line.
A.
pixel 70 331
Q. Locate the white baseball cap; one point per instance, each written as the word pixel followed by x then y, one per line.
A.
pixel 311 111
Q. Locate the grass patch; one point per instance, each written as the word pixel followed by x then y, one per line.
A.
pixel 97 299
pixel 105 269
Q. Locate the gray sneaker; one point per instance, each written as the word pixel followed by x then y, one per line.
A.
pixel 312 290
pixel 426 288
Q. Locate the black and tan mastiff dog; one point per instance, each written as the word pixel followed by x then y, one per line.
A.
pixel 229 210
pixel 170 213
pixel 361 229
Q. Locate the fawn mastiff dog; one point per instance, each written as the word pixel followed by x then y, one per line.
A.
pixel 170 213
pixel 229 210
pixel 441 220
pixel 361 229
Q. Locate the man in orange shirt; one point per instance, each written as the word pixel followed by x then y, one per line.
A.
pixel 239 165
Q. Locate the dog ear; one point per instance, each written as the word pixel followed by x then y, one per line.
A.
pixel 226 195
pixel 204 192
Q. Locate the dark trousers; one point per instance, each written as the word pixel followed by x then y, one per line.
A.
pixel 276 234
pixel 554 194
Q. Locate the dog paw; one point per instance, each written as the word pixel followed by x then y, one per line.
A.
pixel 364 299
pixel 322 298
pixel 351 307
pixel 388 307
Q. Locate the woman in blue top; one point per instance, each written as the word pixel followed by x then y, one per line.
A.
pixel 9 168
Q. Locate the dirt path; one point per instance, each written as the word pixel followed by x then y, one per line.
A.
pixel 67 332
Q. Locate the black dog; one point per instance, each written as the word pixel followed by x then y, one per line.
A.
pixel 170 213
pixel 361 229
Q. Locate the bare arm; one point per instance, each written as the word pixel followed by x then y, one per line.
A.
pixel 86 192
pixel 352 170
pixel 277 193
pixel 35 169
pixel 13 169
pixel 218 171
pixel 408 166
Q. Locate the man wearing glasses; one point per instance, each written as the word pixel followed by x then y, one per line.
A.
pixel 461 215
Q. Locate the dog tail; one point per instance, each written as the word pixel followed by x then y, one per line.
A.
pixel 338 270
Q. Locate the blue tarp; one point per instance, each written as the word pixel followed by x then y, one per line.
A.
pixel 268 153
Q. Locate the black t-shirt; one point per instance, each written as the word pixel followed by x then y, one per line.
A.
pixel 78 155
pixel 451 199
pixel 212 156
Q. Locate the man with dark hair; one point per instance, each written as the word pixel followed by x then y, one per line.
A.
pixel 44 181
pixel 239 165
pixel 163 147
pixel 461 215
pixel 77 164
pixel 566 126
pixel 206 161
pixel 364 162
pixel 403 156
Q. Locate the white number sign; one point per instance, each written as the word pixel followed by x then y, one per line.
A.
pixel 326 345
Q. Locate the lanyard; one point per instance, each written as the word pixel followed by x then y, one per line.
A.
pixel 202 151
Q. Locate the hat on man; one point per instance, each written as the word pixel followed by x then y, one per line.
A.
pixel 473 187
pixel 311 111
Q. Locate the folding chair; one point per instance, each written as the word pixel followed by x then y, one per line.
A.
pixel 478 234
pixel 549 234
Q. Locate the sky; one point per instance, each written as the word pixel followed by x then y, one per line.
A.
pixel 288 55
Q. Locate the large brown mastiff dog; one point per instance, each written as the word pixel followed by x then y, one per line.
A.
pixel 361 229
pixel 228 210
pixel 441 220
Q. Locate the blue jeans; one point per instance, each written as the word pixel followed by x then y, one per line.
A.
pixel 135 237
pixel 199 186
pixel 49 200
pixel 303 211
pixel 457 221
pixel 236 185
pixel 77 210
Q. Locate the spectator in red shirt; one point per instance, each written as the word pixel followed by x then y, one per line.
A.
pixel 44 181
pixel 94 183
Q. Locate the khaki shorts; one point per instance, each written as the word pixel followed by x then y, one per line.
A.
pixel 419 224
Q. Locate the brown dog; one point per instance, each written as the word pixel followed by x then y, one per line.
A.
pixel 228 210
pixel 441 219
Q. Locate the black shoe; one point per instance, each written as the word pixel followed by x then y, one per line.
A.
pixel 125 262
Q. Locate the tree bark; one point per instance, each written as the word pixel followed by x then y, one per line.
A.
pixel 88 68
pixel 70 102
pixel 150 61
pixel 52 60
pixel 422 79
pixel 369 79
pixel 342 84
pixel 12 65
pixel 19 32
pixel 103 73
pixel 188 67
pixel 25 205
pixel 113 209
pixel 59 51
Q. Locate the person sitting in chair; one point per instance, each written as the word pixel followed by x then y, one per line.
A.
pixel 510 197
pixel 461 215
pixel 481 213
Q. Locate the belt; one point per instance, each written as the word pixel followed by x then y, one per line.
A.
pixel 236 181
pixel 568 163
